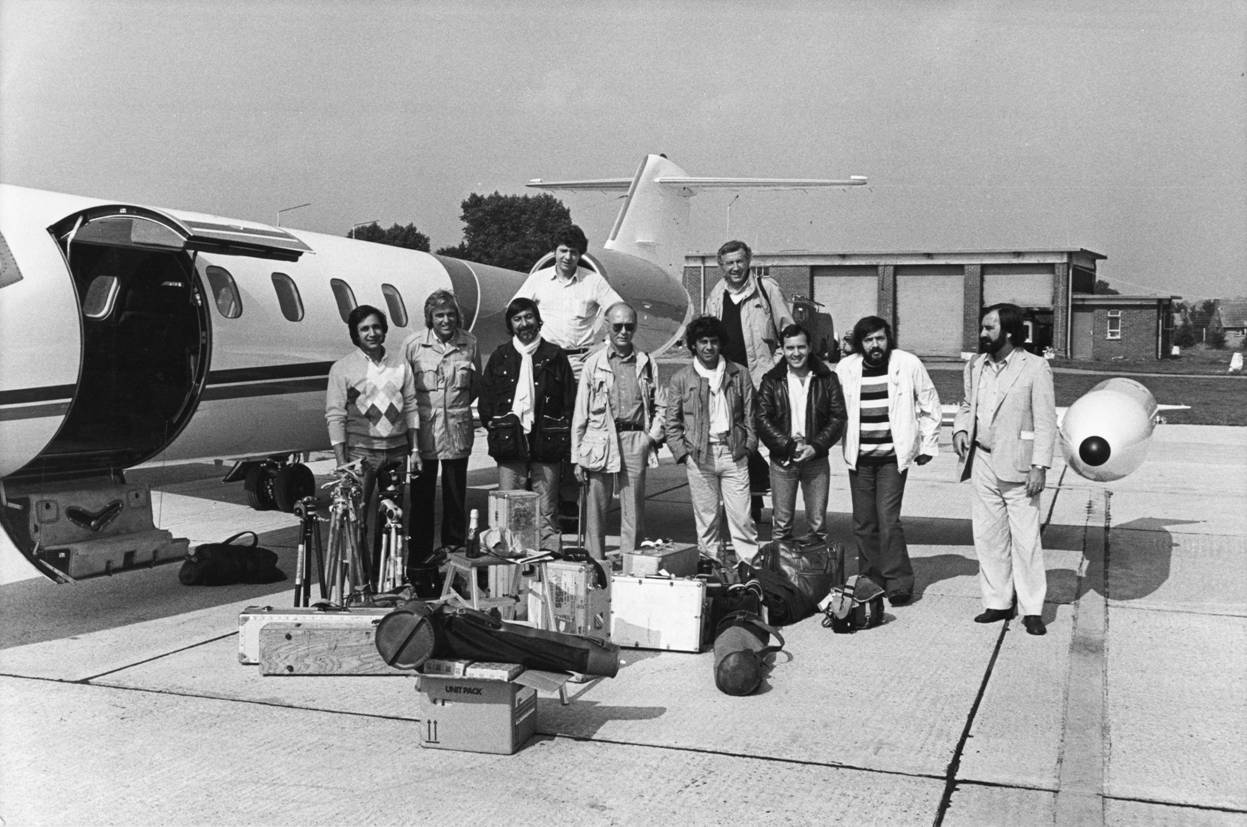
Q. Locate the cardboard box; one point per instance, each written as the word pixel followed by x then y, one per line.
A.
pixel 662 613
pixel 475 714
pixel 254 618
pixel 679 560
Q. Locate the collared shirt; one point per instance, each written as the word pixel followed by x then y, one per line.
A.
pixel 989 394
pixel 625 398
pixel 798 393
pixel 569 309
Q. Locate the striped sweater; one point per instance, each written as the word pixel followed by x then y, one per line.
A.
pixel 876 432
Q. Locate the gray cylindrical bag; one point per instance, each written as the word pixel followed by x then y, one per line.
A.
pixel 740 652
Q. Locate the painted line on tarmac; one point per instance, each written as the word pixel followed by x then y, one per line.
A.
pixel 1080 774
pixel 155 657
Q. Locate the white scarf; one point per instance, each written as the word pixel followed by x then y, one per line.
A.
pixel 720 417
pixel 522 405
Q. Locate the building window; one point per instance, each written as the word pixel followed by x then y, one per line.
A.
pixel 345 297
pixel 224 292
pixel 288 297
pixel 1114 324
pixel 762 271
pixel 394 301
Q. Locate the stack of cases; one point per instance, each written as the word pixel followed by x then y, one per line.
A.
pixel 579 606
pixel 355 629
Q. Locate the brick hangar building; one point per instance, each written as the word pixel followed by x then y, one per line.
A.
pixel 933 299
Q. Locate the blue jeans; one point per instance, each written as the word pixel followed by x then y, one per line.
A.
pixel 814 476
pixel 882 555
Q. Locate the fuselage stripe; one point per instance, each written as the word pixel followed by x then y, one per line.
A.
pixel 36 411
pixel 22 396
pixel 217 393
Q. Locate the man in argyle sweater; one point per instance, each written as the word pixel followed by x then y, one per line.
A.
pixel 370 405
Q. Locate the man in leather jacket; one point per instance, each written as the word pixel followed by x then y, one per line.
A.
pixel 527 395
pixel 799 443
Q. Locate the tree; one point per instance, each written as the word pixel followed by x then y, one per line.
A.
pixel 1102 289
pixel 397 235
pixel 511 231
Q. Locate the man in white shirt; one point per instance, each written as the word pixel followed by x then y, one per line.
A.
pixel 571 297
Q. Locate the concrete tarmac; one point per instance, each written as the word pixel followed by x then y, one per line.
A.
pixel 122 700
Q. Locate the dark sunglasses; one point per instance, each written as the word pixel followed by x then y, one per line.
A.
pixel 622 326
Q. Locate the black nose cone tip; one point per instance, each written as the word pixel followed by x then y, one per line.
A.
pixel 1094 451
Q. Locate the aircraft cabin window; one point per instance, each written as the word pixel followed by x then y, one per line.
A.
pixel 101 296
pixel 224 292
pixel 394 301
pixel 345 297
pixel 288 297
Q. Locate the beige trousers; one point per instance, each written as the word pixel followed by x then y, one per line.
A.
pixel 1006 540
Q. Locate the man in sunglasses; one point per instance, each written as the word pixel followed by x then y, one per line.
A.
pixel 616 430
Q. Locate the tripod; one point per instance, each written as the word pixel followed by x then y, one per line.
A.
pixel 346 571
pixel 392 570
pixel 309 543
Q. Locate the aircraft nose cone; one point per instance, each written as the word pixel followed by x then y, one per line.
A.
pixel 1094 451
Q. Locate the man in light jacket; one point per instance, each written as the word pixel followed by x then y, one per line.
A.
pixel 1005 432
pixel 894 422
pixel 617 427
pixel 446 366
pixel 753 311
pixel 710 431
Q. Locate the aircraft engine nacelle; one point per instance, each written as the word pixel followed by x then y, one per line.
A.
pixel 1105 433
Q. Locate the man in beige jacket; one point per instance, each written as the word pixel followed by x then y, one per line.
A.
pixel 1005 431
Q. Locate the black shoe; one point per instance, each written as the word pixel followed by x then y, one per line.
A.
pixel 1034 625
pixel 899 598
pixel 993 615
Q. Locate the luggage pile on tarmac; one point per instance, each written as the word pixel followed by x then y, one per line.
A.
pixel 509 622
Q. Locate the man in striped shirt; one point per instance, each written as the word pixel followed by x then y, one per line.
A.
pixel 894 422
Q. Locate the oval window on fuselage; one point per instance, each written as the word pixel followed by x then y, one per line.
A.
pixel 288 298
pixel 345 297
pixel 394 301
pixel 224 292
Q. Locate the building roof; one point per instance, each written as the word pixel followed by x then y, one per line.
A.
pixel 1233 312
pixel 1023 255
pixel 1108 300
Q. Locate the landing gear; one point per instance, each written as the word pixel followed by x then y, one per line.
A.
pixel 270 485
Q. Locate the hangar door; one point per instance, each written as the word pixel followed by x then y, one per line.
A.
pixel 847 293
pixel 1026 285
pixel 929 309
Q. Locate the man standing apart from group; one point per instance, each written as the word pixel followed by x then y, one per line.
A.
pixel 800 415
pixel 370 407
pixel 570 297
pixel 753 311
pixel 894 422
pixel 1005 432
pixel 616 430
pixel 446 367
pixel 710 430
pixel 527 390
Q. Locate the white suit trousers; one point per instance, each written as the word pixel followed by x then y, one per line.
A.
pixel 1006 540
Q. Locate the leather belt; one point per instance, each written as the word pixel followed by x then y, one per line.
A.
pixel 628 426
pixel 575 351
pixel 982 447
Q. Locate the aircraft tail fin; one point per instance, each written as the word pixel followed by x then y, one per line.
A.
pixel 653 222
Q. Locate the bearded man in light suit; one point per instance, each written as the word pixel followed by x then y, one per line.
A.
pixel 1005 431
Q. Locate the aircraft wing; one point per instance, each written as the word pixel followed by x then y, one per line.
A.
pixel 693 184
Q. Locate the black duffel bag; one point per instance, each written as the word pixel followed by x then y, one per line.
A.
pixel 796 576
pixel 226 563
pixel 741 640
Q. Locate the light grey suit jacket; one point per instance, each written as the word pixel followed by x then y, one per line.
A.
pixel 1023 426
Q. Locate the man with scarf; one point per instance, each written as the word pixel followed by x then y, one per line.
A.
pixel 527 394
pixel 710 430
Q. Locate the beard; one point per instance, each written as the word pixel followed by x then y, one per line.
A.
pixel 991 346
pixel 875 358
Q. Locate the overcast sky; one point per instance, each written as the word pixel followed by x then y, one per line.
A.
pixel 1120 127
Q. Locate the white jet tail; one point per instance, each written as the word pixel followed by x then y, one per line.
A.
pixel 653 222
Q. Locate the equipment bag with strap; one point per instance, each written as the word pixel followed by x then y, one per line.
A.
pixel 223 564
pixel 795 577
pixel 858 604
pixel 741 643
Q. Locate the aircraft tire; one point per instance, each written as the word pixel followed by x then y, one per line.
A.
pixel 259 484
pixel 291 484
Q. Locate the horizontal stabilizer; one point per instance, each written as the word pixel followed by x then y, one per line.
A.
pixel 695 183
pixel 584 184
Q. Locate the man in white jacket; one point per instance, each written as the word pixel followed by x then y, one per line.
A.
pixel 894 422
